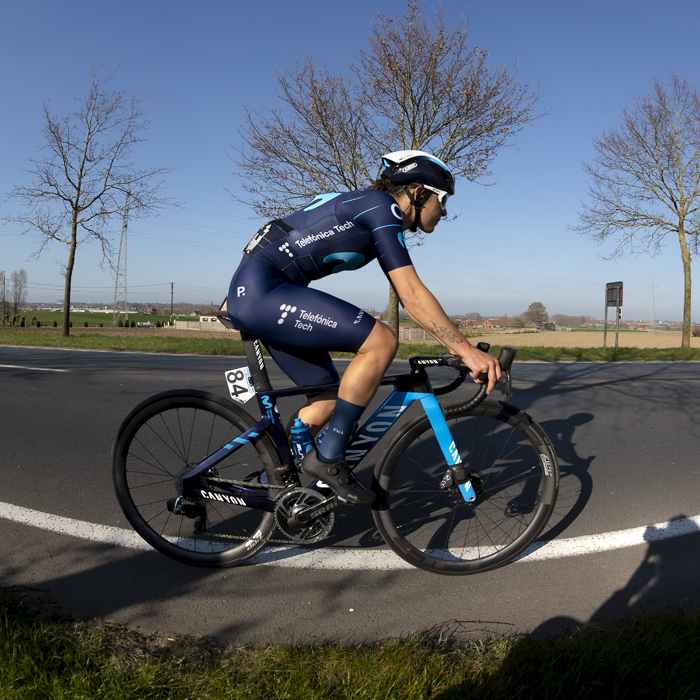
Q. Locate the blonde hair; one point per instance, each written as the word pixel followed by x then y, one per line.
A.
pixel 384 184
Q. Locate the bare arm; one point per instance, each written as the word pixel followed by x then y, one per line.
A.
pixel 423 308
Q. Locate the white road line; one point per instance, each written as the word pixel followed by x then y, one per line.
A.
pixel 359 559
pixel 38 369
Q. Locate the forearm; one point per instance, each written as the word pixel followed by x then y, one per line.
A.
pixel 426 312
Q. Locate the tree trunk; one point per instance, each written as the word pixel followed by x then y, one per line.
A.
pixel 69 276
pixel 393 319
pixel 685 255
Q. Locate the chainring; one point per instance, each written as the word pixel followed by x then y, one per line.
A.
pixel 290 503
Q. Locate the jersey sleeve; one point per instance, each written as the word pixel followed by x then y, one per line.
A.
pixel 384 220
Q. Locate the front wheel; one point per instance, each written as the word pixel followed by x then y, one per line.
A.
pixel 514 475
pixel 160 441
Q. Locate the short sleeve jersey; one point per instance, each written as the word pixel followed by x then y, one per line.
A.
pixel 336 232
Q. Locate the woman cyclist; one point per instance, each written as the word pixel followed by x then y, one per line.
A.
pixel 269 298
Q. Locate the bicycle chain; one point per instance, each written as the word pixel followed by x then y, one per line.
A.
pixel 247 484
pixel 262 486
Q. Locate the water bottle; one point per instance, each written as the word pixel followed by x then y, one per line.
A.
pixel 302 439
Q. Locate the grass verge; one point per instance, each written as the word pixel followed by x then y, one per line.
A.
pixel 45 654
pixel 228 346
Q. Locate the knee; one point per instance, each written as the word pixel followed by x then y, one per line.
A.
pixel 385 341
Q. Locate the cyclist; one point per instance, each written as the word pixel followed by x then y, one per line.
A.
pixel 269 298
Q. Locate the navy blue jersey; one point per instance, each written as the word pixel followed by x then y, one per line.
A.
pixel 269 296
pixel 335 232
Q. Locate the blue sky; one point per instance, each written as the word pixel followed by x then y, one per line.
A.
pixel 196 63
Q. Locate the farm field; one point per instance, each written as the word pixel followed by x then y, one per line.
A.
pixel 589 339
pixel 522 338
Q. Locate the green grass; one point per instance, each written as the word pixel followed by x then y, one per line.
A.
pixel 142 340
pixel 44 654
pixel 148 340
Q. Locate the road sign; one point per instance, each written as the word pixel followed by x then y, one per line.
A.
pixel 613 294
pixel 613 297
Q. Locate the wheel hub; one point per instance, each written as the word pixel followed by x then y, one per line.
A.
pixel 466 498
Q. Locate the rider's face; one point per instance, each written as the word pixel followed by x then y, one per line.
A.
pixel 431 213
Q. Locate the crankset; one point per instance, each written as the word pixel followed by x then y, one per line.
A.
pixel 304 515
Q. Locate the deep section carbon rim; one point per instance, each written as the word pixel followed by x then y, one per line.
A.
pixel 514 472
pixel 163 439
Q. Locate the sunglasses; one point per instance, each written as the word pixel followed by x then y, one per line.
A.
pixel 442 195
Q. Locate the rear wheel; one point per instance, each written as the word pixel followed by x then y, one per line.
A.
pixel 160 441
pixel 514 474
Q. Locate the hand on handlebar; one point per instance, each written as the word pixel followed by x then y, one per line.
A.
pixel 482 363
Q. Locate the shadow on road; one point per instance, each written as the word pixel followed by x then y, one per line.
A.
pixel 668 577
pixel 576 482
pixel 151 592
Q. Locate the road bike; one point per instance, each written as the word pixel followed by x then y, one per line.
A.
pixel 462 488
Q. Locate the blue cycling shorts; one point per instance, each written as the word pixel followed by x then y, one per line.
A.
pixel 298 325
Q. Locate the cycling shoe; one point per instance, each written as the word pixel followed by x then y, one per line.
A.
pixel 339 478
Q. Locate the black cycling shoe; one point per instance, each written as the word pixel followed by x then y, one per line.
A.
pixel 338 476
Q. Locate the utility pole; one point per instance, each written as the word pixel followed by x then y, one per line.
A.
pixel 171 303
pixel 2 272
pixel 120 277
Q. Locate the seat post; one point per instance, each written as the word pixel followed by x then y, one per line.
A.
pixel 256 363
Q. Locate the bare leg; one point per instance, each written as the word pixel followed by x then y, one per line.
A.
pixel 317 411
pixel 360 380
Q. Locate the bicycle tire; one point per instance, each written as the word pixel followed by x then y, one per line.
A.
pixel 515 473
pixel 162 439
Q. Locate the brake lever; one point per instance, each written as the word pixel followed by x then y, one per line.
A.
pixel 505 359
pixel 507 385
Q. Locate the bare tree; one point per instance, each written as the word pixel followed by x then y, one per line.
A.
pixel 83 176
pixel 418 85
pixel 18 289
pixel 645 178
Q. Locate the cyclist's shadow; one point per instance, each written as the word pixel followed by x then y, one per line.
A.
pixel 576 483
pixel 667 576
pixel 659 579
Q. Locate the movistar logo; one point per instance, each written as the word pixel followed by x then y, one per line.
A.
pixel 348 261
pixel 322 199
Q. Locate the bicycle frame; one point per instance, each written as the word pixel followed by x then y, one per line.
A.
pixel 414 386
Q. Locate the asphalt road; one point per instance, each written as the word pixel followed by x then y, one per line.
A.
pixel 627 437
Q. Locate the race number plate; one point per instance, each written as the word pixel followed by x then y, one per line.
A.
pixel 240 385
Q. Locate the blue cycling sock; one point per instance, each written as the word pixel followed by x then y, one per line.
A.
pixel 331 446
